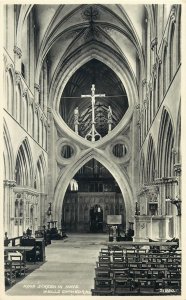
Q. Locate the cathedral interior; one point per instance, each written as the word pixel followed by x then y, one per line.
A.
pixel 92 125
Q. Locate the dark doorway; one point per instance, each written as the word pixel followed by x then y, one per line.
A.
pixel 96 219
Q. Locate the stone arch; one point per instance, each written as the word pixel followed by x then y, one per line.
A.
pixel 151 160
pixel 8 154
pixel 178 135
pixel 142 174
pixel 87 53
pixel 114 169
pixel 24 164
pixel 40 174
pixel 10 91
pixel 166 140
pixel 104 55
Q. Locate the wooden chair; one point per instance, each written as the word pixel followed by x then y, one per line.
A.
pixel 103 264
pixel 122 285
pixel 31 256
pixel 9 272
pixel 118 259
pixel 118 265
pixel 102 283
pixel 104 258
pixel 104 252
pixel 18 265
pixel 146 285
pixel 102 272
pixel 101 292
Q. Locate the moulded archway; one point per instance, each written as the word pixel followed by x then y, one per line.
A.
pixel 8 154
pixel 121 69
pixel 117 172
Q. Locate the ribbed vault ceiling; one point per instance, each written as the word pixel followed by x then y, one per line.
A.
pixel 63 31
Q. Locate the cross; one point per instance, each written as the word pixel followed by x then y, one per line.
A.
pixel 93 133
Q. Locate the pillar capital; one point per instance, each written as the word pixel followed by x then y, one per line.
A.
pixel 177 169
pixel 37 87
pixel 10 183
pixel 153 43
pixel 17 51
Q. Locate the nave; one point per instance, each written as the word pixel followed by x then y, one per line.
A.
pixel 68 270
pixel 87 264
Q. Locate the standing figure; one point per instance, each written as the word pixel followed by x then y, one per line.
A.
pixel 109 118
pixel 76 119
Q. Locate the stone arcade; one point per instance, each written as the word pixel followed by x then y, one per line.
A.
pixel 120 154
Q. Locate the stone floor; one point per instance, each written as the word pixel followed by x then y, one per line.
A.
pixel 68 270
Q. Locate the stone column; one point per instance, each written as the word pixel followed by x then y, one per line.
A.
pixel 177 170
pixel 17 58
pixel 41 95
pixel 45 87
pixel 8 206
pixel 37 91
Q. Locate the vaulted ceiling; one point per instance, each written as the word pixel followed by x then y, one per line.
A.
pixel 65 30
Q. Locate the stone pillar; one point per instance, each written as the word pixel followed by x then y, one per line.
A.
pixel 37 91
pixel 17 58
pixel 177 170
pixel 8 207
pixel 41 94
pixel 45 88
pixel 43 208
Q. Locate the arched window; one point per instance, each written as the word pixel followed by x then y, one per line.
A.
pixel 165 71
pixel 18 104
pixel 31 119
pixel 165 146
pixel 24 165
pixel 36 126
pixel 151 161
pixel 25 112
pixel 172 54
pixel 10 93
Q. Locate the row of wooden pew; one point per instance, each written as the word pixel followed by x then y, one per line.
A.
pixel 17 258
pixel 133 272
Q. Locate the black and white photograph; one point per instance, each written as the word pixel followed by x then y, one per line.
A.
pixel 91 149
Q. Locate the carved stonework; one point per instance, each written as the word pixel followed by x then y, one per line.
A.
pixel 37 87
pixel 158 60
pixel 173 14
pixel 165 42
pixel 138 106
pixel 177 169
pixel 8 67
pixel 30 101
pixel 154 70
pixel 25 92
pixel 36 107
pixel 17 51
pixel 144 81
pixel 145 103
pixel 42 117
pixel 154 43
pixel 10 183
pixel 150 86
pixel 17 77
pixel 151 193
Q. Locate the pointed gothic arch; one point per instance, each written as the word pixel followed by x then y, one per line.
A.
pixel 116 172
pixel 151 160
pixel 142 169
pixel 8 154
pixel 24 164
pixel 166 140
pixel 40 174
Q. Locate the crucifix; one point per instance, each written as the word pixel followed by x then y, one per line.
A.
pixel 93 134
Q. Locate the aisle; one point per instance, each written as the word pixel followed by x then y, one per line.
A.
pixel 68 270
